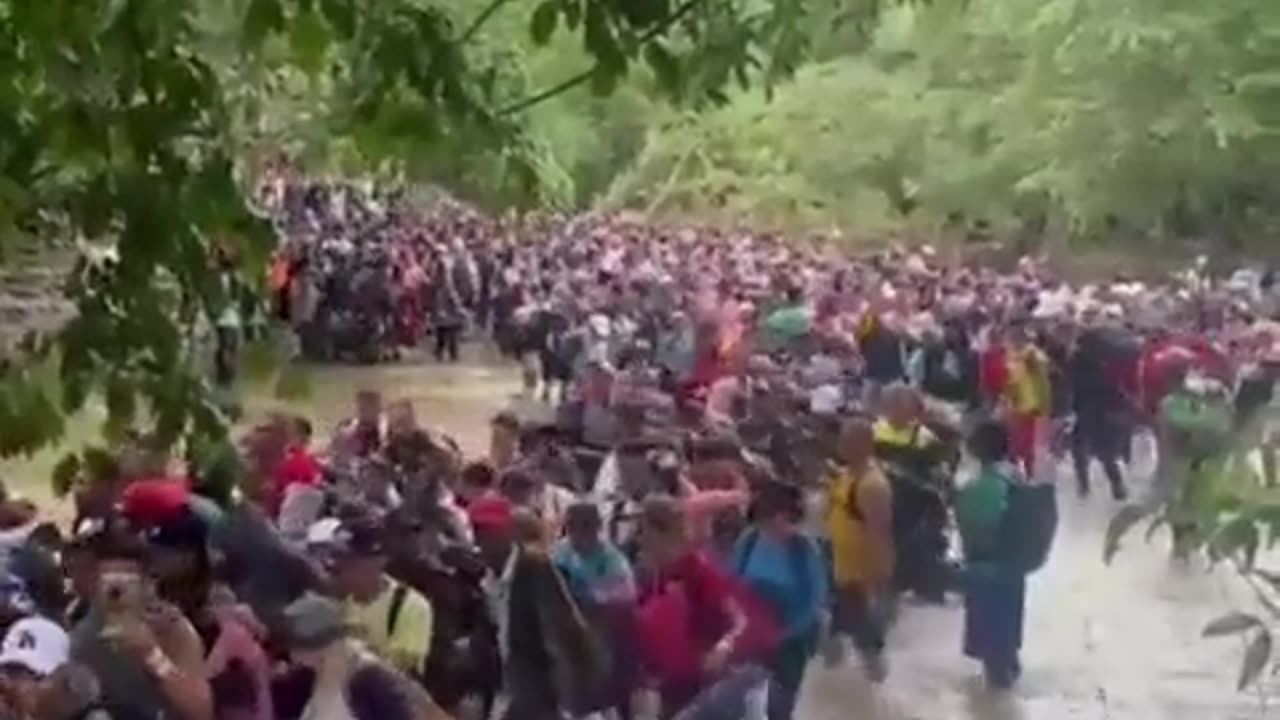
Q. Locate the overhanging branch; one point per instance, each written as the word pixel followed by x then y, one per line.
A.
pixel 582 77
pixel 493 7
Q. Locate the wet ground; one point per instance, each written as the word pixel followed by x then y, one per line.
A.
pixel 1102 643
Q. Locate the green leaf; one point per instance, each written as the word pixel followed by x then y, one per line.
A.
pixel 1231 624
pixel 341 15
pixel 1120 524
pixel 261 19
pixel 66 473
pixel 664 65
pixel 309 40
pixel 544 20
pixel 1256 657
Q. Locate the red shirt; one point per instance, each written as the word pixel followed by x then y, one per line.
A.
pixel 1155 366
pixel 299 467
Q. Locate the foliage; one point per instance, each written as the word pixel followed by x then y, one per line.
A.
pixel 1155 118
pixel 131 128
pixel 1227 513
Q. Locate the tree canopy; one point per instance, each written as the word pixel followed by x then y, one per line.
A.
pixel 130 127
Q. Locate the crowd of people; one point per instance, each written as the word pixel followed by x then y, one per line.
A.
pixel 752 462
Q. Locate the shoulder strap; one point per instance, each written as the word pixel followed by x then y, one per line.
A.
pixel 852 502
pixel 398 595
pixel 798 557
pixel 748 546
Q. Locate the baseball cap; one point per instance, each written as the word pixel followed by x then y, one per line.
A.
pixel 313 622
pixel 36 644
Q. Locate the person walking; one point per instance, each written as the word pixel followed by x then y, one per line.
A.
pixel 860 525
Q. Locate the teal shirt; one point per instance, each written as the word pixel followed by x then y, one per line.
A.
pixel 980 507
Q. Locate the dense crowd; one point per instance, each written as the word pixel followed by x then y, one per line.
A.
pixel 758 450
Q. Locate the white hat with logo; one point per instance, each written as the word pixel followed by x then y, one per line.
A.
pixel 36 644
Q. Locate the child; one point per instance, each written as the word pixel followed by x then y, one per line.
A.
pixel 994 586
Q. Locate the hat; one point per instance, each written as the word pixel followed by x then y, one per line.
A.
pixel 155 500
pixel 359 540
pixel 185 531
pixel 313 622
pixel 36 644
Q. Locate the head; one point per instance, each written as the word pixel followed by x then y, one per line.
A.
pixel 989 441
pixel 856 444
pixel 518 486
pixel 314 626
pixel 777 506
pixel 369 407
pixel 33 650
pixel 1018 334
pixel 80 565
pixel 583 525
pixel 178 559
pixel 901 405
pixel 504 438
pixel 360 562
pixel 402 419
pixel 300 432
pixel 715 462
pixel 663 530
pixel 477 480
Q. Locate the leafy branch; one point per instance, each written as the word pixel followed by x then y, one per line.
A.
pixel 585 76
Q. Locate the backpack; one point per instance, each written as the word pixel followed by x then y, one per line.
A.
pixel 1029 525
pixel 797 551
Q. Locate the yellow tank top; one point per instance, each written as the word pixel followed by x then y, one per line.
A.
pixel 858 555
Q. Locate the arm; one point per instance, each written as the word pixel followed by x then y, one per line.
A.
pixel 876 505
pixel 176 661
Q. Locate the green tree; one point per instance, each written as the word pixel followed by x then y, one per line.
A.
pixel 125 125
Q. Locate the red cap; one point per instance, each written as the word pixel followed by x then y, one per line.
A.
pixel 154 501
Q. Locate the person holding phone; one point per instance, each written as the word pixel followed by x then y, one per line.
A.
pixel 146 654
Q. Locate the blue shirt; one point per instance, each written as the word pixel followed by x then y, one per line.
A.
pixel 788 573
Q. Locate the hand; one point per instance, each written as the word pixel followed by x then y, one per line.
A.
pixel 134 637
pixel 718 659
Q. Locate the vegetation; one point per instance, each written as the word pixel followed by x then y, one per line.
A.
pixel 131 128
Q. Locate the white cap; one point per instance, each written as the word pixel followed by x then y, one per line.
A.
pixel 37 644
pixel 323 532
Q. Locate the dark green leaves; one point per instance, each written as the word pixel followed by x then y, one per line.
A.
pixel 665 67
pixel 262 19
pixel 1231 624
pixel 1256 657
pixel 1120 524
pixel 544 20
pixel 309 40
